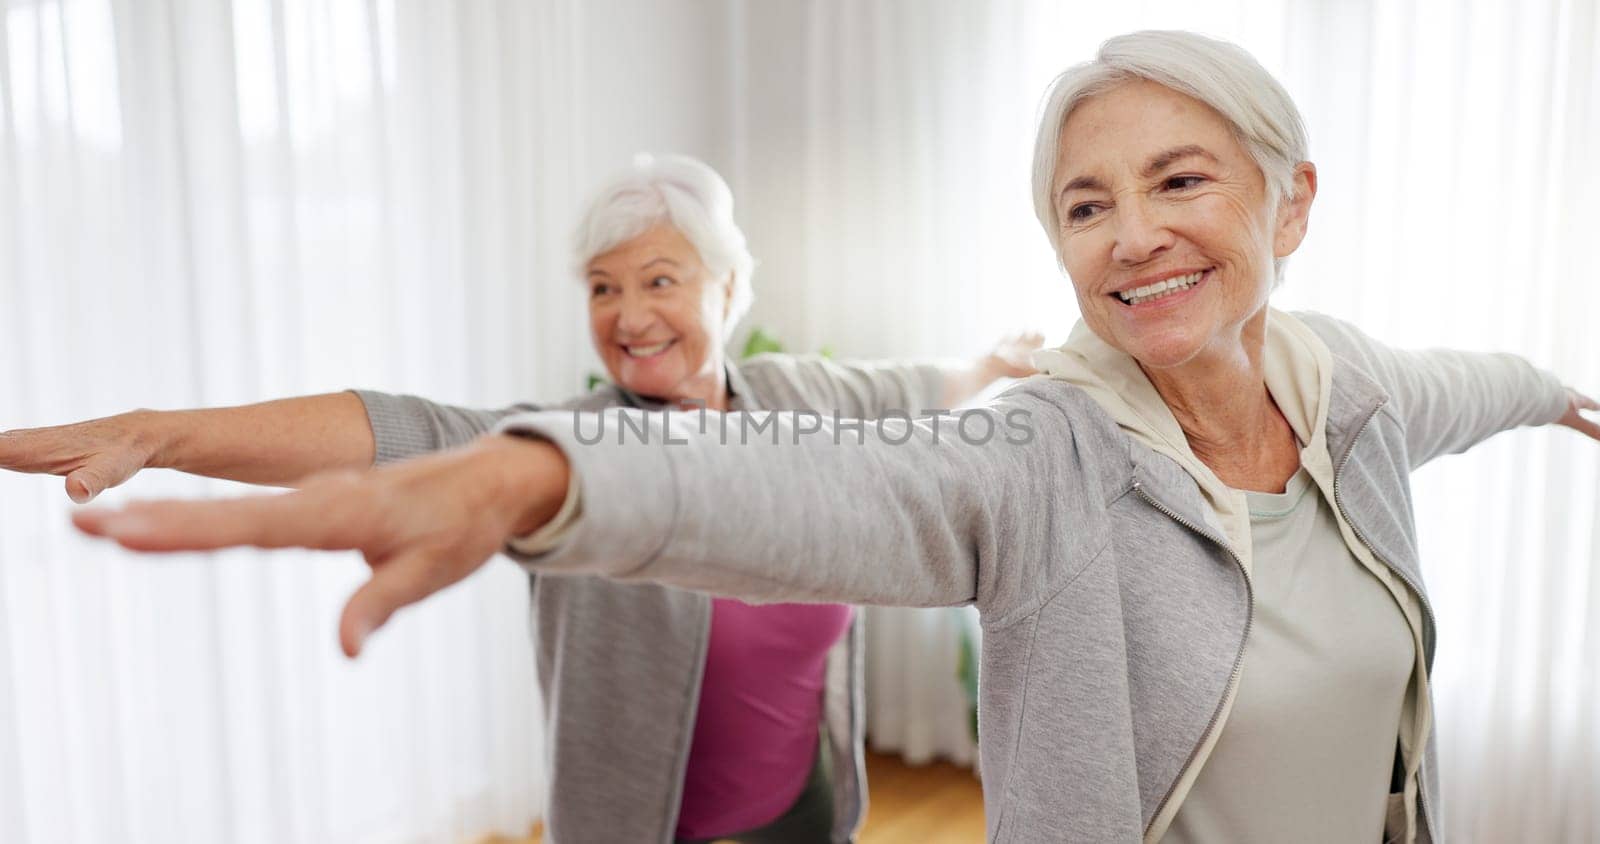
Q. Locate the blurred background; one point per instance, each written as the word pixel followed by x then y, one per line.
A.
pixel 206 202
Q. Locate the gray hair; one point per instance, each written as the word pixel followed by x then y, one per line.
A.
pixel 1219 74
pixel 682 192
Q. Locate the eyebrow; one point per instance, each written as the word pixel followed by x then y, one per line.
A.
pixel 1158 162
pixel 1162 161
pixel 1081 183
pixel 644 266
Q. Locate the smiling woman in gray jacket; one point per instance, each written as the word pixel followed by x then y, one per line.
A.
pixel 1191 544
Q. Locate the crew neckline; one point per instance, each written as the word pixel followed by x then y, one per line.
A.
pixel 1276 505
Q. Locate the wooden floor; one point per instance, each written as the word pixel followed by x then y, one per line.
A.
pixel 929 804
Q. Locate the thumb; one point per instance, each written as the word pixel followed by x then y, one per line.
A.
pixel 99 474
pixel 405 579
pixel 86 483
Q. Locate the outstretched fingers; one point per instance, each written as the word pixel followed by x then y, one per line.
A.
pixel 305 519
pixel 1577 403
pixel 31 450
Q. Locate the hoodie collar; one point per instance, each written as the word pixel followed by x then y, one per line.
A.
pixel 1298 372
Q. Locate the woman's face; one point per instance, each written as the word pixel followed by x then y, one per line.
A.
pixel 1152 187
pixel 657 316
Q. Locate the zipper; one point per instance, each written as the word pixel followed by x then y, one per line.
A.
pixel 1238 659
pixel 1416 588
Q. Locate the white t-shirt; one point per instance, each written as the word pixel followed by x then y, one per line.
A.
pixel 1309 747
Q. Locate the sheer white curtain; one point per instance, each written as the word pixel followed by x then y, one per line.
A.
pixel 205 203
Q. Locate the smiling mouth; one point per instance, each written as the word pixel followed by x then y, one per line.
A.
pixel 647 351
pixel 1160 290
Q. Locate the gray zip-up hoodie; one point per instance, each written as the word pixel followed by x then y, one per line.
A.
pixel 1114 611
pixel 620 664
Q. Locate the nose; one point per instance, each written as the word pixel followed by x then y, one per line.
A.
pixel 1140 233
pixel 634 316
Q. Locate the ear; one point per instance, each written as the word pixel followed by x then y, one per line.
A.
pixel 1294 213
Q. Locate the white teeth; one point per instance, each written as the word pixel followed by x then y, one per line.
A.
pixel 1161 288
pixel 647 351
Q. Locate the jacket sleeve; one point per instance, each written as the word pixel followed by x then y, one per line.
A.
pixel 1449 401
pixel 890 512
pixel 408 426
pixel 860 389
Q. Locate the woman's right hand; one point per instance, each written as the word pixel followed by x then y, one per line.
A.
pixel 94 456
pixel 423 524
pixel 1577 404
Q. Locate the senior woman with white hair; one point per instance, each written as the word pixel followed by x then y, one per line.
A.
pixel 670 716
pixel 1203 607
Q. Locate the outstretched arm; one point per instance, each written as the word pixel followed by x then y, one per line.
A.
pixel 276 442
pixel 895 514
pixel 878 389
pixel 1451 400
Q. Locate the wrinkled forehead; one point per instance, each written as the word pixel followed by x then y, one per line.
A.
pixel 659 241
pixel 1135 128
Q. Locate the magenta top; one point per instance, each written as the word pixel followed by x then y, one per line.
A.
pixel 755 734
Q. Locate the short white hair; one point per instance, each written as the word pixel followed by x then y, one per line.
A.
pixel 1219 74
pixel 684 193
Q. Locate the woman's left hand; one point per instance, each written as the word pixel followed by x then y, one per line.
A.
pixel 1012 357
pixel 421 524
pixel 1574 419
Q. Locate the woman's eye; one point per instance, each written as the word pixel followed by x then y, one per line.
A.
pixel 661 281
pixel 1079 213
pixel 1184 182
pixel 598 289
